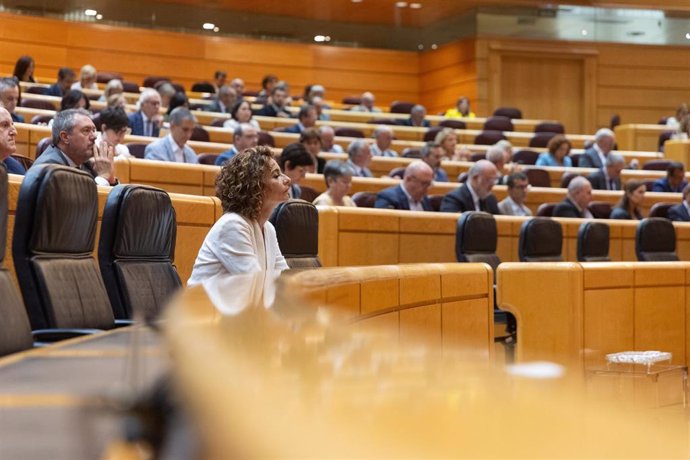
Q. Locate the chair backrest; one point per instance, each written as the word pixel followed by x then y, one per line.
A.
pixel 455 124
pixel 489 137
pixel 297 229
pixel 38 104
pixel 478 156
pixel 656 165
pixel 541 240
pixel 35 90
pixel 663 137
pixel 593 242
pixel 203 87
pixel 25 161
pixel 575 158
pixel 207 158
pixel 538 177
pixel 136 250
pixel 600 209
pixel 130 87
pixel 411 152
pixel 510 112
pixel 498 123
pixel 525 157
pixel 435 202
pixel 137 149
pixel 266 139
pixel 42 145
pixel 41 119
pixel 655 240
pixel 152 81
pixel 200 134
pixel 364 199
pixel 541 139
pixel 431 133
pixel 566 178
pixel 349 132
pixel 476 238
pixel 15 332
pixel 218 122
pixel 397 172
pixel 401 107
pixel 307 193
pixel 352 100
pixel 660 209
pixel 383 121
pixel 549 127
pixel 546 209
pixel 54 233
pixel 105 77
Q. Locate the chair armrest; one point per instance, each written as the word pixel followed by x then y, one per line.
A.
pixel 124 322
pixel 55 335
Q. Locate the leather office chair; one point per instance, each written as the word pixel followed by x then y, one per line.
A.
pixel 546 209
pixel 297 228
pixel 525 157
pixel 567 177
pixel 401 107
pixel 352 100
pixel 130 87
pixel 25 161
pixel 489 137
pixel 136 250
pixel 656 165
pixel 541 240
pixel 203 87
pixel 663 137
pixel 54 234
pixel 498 123
pixel 455 124
pixel 15 332
pixel 364 199
pixel 411 152
pixel 593 242
pixel 431 133
pixel 105 77
pixel 200 134
pixel 42 145
pixel 207 158
pixel 308 193
pixel 600 209
pixel 397 172
pixel 266 139
pixel 655 240
pixel 548 127
pixel 660 209
pixel 137 149
pixel 38 104
pixel 538 177
pixel 510 112
pixel 41 119
pixel 476 238
pixel 541 139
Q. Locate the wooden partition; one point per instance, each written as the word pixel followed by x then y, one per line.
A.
pixel 577 313
pixel 640 136
pixel 195 217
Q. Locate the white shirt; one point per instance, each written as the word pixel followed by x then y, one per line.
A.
pixel 237 245
pixel 176 149
pixel 475 197
pixel 232 124
pixel 377 152
pixel 602 157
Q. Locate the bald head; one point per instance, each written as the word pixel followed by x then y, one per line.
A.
pixel 482 178
pixel 417 179
pixel 580 192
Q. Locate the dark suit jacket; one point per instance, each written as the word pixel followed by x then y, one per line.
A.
pixel 623 214
pixel 136 122
pixel 408 122
pixel 662 185
pixel 17 118
pixel 460 200
pixel 395 198
pixel 678 213
pixel 52 155
pixel 598 181
pixel 269 110
pixel 14 167
pixel 54 90
pixel 566 208
pixel 590 159
pixel 215 107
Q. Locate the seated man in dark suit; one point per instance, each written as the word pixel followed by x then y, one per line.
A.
pixel 359 158
pixel 307 119
pixel 277 107
pixel 475 194
pixel 224 101
pixel 608 177
pixel 74 144
pixel 244 137
pixel 681 212
pixel 417 115
pixel 9 97
pixel 8 136
pixel 674 182
pixel 65 79
pixel 595 156
pixel 432 154
pixel 576 202
pixel 411 193
pixel 147 120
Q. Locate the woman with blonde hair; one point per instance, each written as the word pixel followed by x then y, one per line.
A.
pixel 447 139
pixel 250 185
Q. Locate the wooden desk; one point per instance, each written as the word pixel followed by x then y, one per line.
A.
pixel 639 136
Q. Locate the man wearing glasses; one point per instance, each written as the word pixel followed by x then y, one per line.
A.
pixel 411 193
pixel 475 194
pixel 514 204
pixel 147 120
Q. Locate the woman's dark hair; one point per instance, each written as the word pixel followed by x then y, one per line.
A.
pixel 71 100
pixel 236 107
pixel 240 184
pixel 296 154
pixel 113 118
pixel 629 187
pixel 179 99
pixel 555 143
pixel 335 169
pixel 23 63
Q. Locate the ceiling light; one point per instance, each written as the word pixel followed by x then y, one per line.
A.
pixel 584 32
pixel 415 6
pixel 320 38
pixel 420 47
pixel 401 4
pixel 357 1
pixel 216 29
pixel 687 36
pixel 208 26
pixel 99 16
pixel 90 12
pixel 434 46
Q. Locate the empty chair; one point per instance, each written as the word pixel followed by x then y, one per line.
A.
pixel 593 242
pixel 566 178
pixel 152 81
pixel 41 119
pixel 349 132
pixel 538 177
pixel 455 124
pixel 540 139
pixel 364 199
pixel 203 87
pixel 136 250
pixel 656 165
pixel 663 137
pixel 660 209
pixel 541 240
pixel 200 134
pixel 476 238
pixel 15 332
pixel 655 240
pixel 352 100
pixel 130 87
pixel 525 157
pixel 307 193
pixel 510 112
pixel 42 145
pixel 549 127
pixel 105 77
pixel 600 209
pixel 137 149
pixel 54 235
pixel 207 158
pixel 266 139
pixel 546 209
pixel 38 104
pixel 401 107
pixel 498 123
pixel 489 137
pixel 431 133
pixel 297 231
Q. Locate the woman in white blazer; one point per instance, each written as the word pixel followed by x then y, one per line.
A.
pixel 249 187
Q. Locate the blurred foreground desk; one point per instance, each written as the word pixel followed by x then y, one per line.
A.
pixel 57 402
